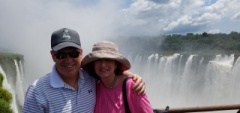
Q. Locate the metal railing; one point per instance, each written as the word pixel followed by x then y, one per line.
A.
pixel 202 108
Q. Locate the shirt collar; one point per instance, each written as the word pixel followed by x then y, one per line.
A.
pixel 56 81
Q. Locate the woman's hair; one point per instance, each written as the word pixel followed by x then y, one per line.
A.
pixel 91 70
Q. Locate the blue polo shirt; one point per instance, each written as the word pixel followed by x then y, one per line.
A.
pixel 49 94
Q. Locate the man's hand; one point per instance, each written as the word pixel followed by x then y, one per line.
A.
pixel 139 85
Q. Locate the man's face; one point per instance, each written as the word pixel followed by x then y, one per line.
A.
pixel 68 61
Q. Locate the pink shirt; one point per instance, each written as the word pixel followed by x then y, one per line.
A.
pixel 111 101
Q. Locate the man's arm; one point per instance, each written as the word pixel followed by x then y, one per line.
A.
pixel 139 85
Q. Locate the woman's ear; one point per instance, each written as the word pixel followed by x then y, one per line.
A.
pixel 116 65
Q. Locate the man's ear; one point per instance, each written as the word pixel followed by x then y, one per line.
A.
pixel 81 52
pixel 53 56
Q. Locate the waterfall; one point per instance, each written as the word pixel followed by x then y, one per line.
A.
pixel 12 70
pixel 176 80
pixel 19 80
pixel 189 80
pixel 8 86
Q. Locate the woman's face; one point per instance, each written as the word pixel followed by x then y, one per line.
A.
pixel 105 67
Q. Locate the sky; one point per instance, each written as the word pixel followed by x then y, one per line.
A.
pixel 26 25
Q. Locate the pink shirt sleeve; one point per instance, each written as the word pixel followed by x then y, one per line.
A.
pixel 137 103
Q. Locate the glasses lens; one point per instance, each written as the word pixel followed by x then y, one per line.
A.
pixel 63 55
pixel 73 54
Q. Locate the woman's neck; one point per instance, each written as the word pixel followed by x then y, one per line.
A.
pixel 112 82
pixel 109 82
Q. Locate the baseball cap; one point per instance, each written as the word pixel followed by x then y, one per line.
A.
pixel 63 38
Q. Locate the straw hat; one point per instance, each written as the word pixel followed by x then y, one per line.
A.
pixel 108 50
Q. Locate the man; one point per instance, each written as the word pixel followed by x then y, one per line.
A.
pixel 68 88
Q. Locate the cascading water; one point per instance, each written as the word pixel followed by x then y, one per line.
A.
pixel 176 80
pixel 19 80
pixel 8 86
pixel 12 70
pixel 189 81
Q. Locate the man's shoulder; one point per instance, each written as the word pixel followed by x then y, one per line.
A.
pixel 41 82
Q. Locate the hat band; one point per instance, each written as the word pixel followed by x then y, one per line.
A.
pixel 104 49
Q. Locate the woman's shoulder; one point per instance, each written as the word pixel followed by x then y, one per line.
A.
pixel 129 81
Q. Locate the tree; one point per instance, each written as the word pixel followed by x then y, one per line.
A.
pixel 5 98
pixel 204 34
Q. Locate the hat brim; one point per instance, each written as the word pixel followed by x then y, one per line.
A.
pixel 64 45
pixel 125 65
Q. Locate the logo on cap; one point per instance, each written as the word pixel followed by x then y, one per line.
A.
pixel 66 34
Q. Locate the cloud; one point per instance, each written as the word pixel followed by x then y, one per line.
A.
pixel 236 16
pixel 160 1
pixel 179 15
pixel 26 25
pixel 214 31
pixel 184 24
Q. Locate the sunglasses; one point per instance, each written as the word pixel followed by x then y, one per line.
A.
pixel 63 55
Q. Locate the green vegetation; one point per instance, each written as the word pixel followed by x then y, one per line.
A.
pixel 11 55
pixel 9 62
pixel 4 56
pixel 5 98
pixel 1 80
pixel 203 44
pixel 210 43
pixel 5 95
pixel 5 107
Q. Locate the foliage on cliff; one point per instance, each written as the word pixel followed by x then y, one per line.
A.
pixel 7 61
pixel 204 43
pixel 5 98
pixel 1 80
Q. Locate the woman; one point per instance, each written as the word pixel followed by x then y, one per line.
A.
pixel 107 64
